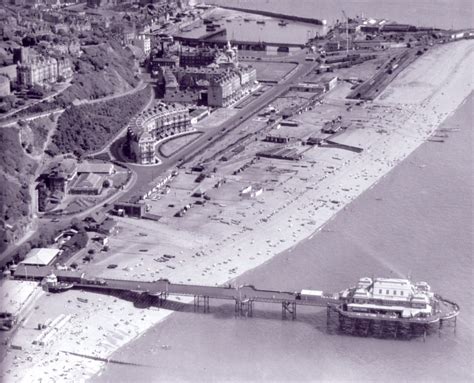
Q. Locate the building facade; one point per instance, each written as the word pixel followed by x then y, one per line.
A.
pixel 143 42
pixel 152 126
pixel 41 70
pixel 197 57
pixel 230 86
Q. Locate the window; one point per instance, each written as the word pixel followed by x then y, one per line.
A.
pixel 394 292
pixel 388 292
pixel 380 291
pixel 401 292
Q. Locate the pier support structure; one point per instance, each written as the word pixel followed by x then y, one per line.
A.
pixel 205 303
pixel 446 323
pixel 289 307
pixel 244 307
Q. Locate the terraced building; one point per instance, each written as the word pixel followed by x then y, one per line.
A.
pixel 154 125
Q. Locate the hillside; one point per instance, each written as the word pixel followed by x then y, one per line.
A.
pixel 87 128
pixel 102 70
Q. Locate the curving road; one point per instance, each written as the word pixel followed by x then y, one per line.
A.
pixel 213 135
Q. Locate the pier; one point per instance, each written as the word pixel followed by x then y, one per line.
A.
pixel 382 324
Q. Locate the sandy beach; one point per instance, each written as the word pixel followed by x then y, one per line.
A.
pixel 245 234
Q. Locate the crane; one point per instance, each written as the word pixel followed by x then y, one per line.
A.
pixel 347 32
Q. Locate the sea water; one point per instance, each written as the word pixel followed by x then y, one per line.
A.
pixel 417 221
pixel 456 14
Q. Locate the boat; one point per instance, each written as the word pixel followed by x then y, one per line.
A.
pixel 283 23
pixel 247 20
pixel 392 307
pixel 60 287
pixel 260 21
pixel 51 284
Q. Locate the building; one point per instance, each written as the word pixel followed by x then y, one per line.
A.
pixel 337 45
pixel 102 168
pixel 197 57
pixel 21 55
pixel 59 176
pixel 308 87
pixel 375 44
pixel 229 86
pixel 100 223
pixel 4 86
pixel 204 55
pixel 157 63
pixel 170 81
pixel 40 257
pixel 143 42
pixel 94 220
pixel 147 129
pixel 87 183
pixel 41 70
pixel 328 82
pixel 130 209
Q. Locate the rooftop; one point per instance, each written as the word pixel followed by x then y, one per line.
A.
pixel 40 256
pixel 95 167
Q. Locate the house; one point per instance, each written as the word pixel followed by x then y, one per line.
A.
pixel 40 257
pixel 59 176
pixel 108 227
pixel 94 220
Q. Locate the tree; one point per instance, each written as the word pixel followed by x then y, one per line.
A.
pixel 36 90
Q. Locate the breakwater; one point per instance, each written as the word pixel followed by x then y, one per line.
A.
pixel 283 16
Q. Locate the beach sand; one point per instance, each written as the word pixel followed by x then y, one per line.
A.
pixel 405 115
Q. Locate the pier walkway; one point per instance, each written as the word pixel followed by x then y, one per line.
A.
pixel 243 296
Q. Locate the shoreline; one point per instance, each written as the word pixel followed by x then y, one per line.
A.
pixel 330 219
pixel 272 340
pixel 357 183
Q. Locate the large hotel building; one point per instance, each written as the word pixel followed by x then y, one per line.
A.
pixel 153 125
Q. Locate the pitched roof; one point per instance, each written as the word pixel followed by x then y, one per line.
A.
pixel 40 256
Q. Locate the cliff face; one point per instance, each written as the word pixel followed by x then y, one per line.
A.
pixel 16 173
